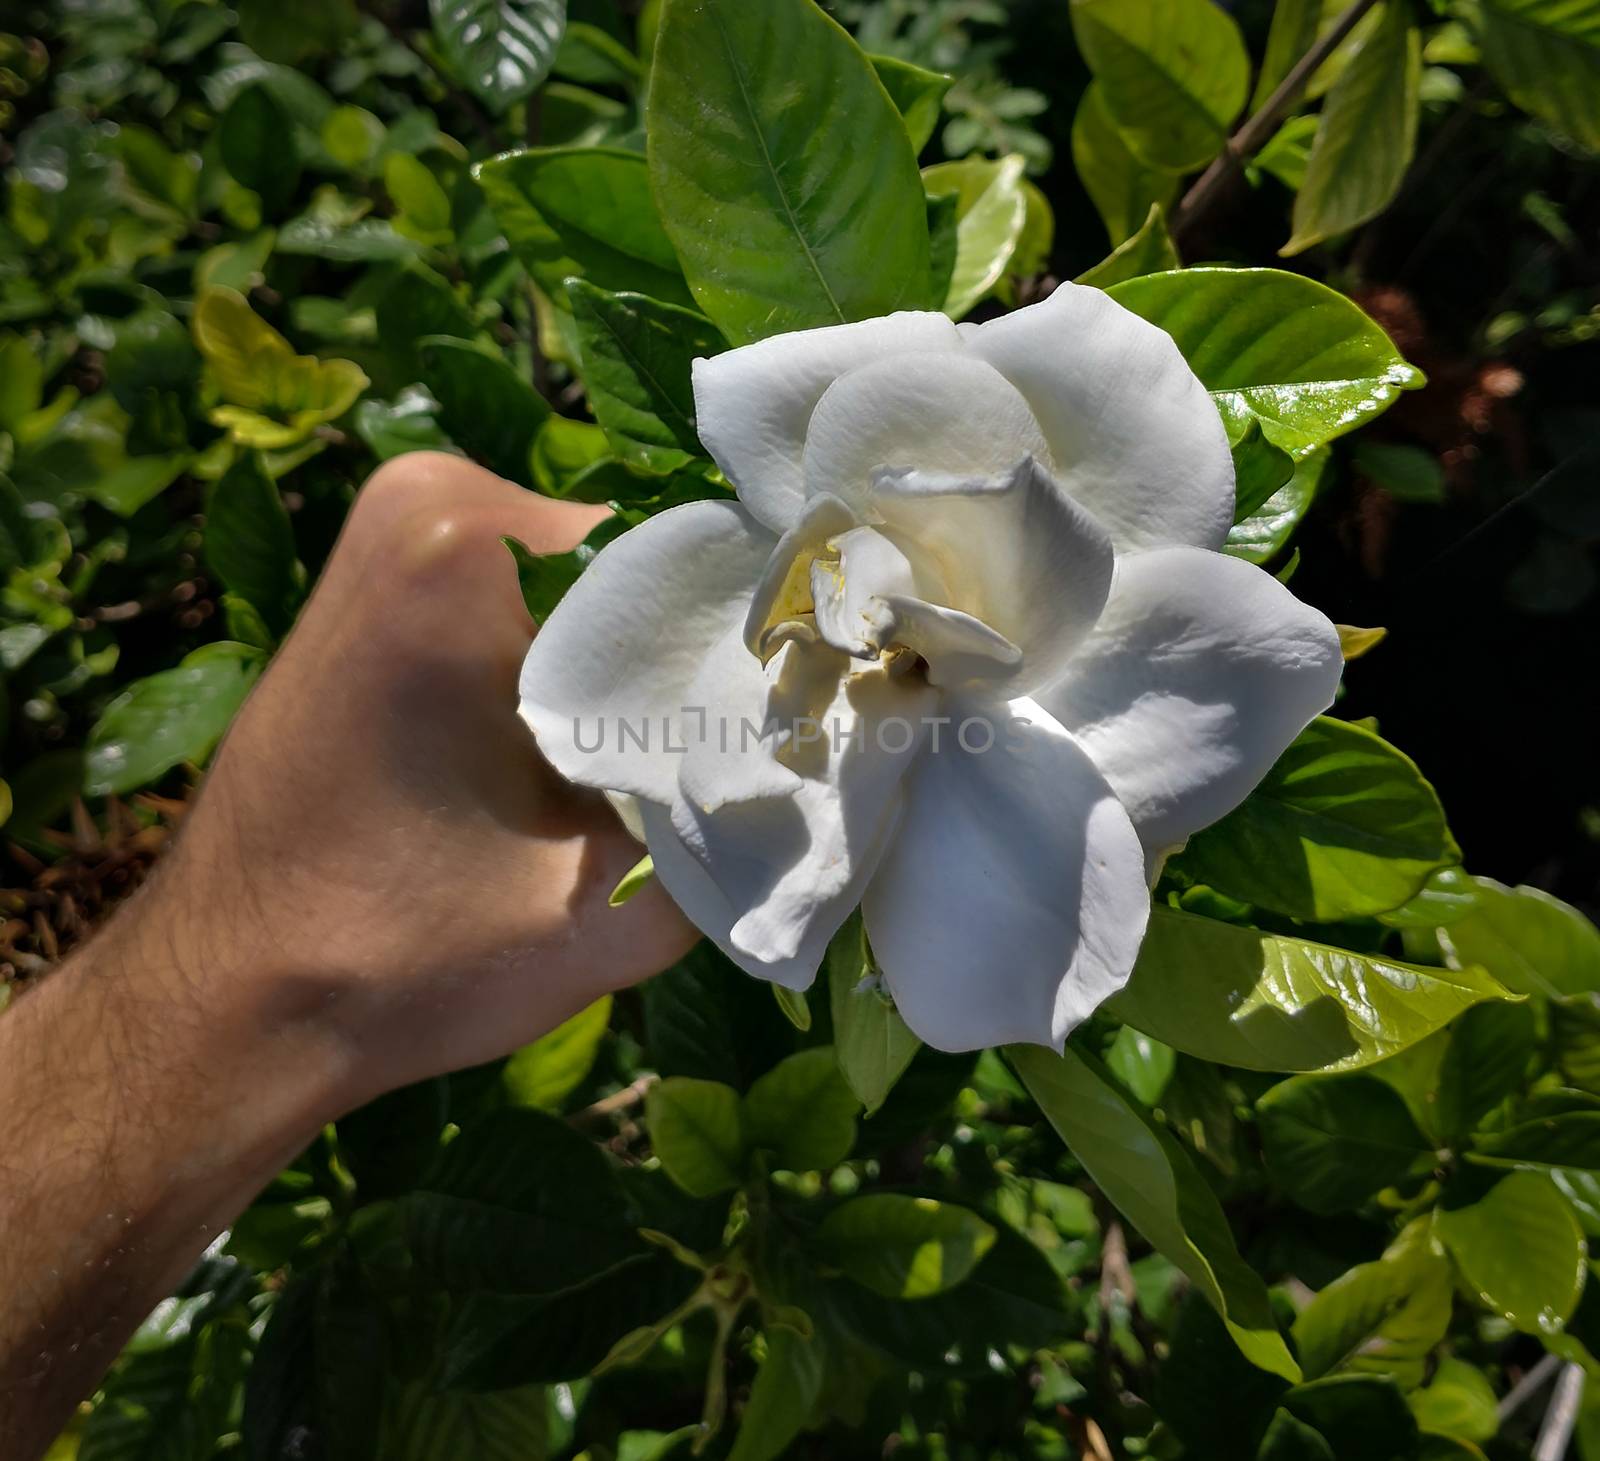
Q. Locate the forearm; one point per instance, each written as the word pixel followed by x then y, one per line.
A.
pixel 150 1093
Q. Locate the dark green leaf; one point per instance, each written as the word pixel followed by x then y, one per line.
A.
pixel 544 577
pixel 697 1129
pixel 1150 250
pixel 502 49
pixel 1122 188
pixel 1546 53
pixel 786 1387
pixel 917 94
pixel 256 139
pixel 485 406
pixel 785 216
pixel 1332 1142
pixel 249 542
pixel 637 354
pixel 802 1111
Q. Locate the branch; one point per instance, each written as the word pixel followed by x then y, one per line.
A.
pixel 1253 136
pixel 1556 1432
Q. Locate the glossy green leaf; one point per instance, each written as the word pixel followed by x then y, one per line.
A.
pixel 546 1072
pixel 781 1399
pixel 1150 250
pixel 1278 347
pixel 249 542
pixel 1520 1249
pixel 1332 1142
pixel 1262 535
pixel 785 216
pixel 487 408
pixel 1260 469
pixel 1144 1172
pixel 1380 1318
pixel 637 355
pixel 1122 189
pixel 1266 1001
pixel 802 1111
pixel 1366 135
pixel 1532 943
pixel 1143 1065
pixel 697 1129
pixel 917 94
pixel 1174 74
pixel 991 210
pixel 585 211
pixel 1343 826
pixel 871 1041
pixel 169 718
pixel 1546 54
pixel 904 1247
pixel 1457 1401
pixel 502 49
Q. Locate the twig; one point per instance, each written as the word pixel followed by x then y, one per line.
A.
pixel 1253 136
pixel 1518 1394
pixel 624 1100
pixel 1556 1432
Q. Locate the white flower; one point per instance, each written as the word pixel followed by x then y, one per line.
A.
pixel 940 527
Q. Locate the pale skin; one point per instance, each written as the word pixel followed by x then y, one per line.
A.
pixel 380 882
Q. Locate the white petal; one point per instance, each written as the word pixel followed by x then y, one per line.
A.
pixel 753 404
pixel 1012 900
pixel 613 664
pixel 784 592
pixel 788 870
pixel 1200 672
pixel 956 647
pixel 1018 553
pixel 847 585
pixel 1134 434
pixel 944 412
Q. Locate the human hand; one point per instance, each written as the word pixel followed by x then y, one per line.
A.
pixel 379 847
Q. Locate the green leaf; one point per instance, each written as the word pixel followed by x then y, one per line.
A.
pixel 1410 473
pixel 1546 54
pixel 637 354
pixel 1366 136
pixel 1278 347
pixel 871 1041
pixel 584 211
pixel 1458 1401
pixel 794 1004
pixel 803 1111
pixel 256 141
pixel 991 210
pixel 1262 535
pixel 1122 189
pixel 1570 1139
pixel 407 423
pixel 249 543
pixel 1155 1185
pixel 1288 1439
pixel 544 577
pixel 293 31
pixel 1379 1318
pixel 1174 74
pixel 425 1424
pixel 705 1017
pixel 423 206
pixel 1260 469
pixel 781 1399
pixel 1294 27
pixel 1357 1415
pixel 904 1247
pixel 596 58
pixel 786 216
pixel 169 718
pixel 502 49
pixel 389 1143
pixel 1266 1001
pixel 352 135
pixel 546 1072
pixel 137 480
pixel 634 881
pixel 518 1203
pixel 485 406
pixel 1143 1065
pixel 1287 154
pixel 1486 1059
pixel 697 1128
pixel 1520 1250
pixel 418 304
pixel 917 94
pixel 1575 1039
pixel 1343 826
pixel 1150 250
pixel 1532 943
pixel 1333 1142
